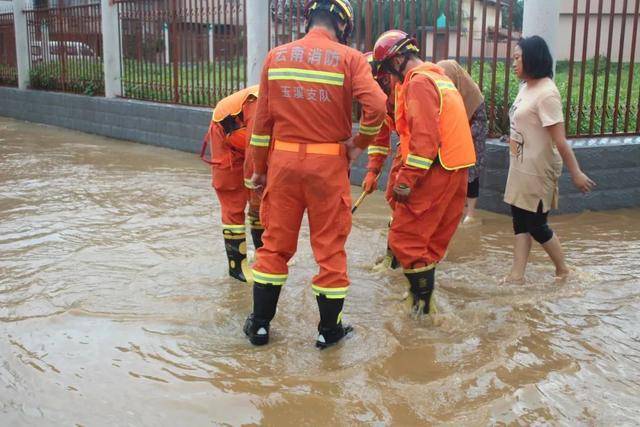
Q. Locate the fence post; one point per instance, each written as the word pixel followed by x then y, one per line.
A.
pixel 542 18
pixel 165 36
pixel 257 26
pixel 22 43
pixel 111 57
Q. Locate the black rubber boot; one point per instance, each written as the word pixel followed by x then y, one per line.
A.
pixel 393 264
pixel 421 286
pixel 330 328
pixel 256 232
pixel 236 247
pixel 265 302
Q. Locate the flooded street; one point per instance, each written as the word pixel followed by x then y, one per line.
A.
pixel 115 309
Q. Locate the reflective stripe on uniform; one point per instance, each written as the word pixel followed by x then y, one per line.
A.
pixel 419 269
pixel 418 162
pixel 444 85
pixel 248 183
pixel 377 149
pixel 260 140
pixel 255 223
pixel 269 279
pixel 330 293
pixel 233 231
pixel 234 228
pixel 302 75
pixel 370 130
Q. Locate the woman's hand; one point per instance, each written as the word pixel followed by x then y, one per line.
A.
pixel 582 182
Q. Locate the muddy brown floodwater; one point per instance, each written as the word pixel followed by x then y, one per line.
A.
pixel 115 309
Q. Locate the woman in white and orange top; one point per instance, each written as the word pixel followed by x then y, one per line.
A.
pixel 538 148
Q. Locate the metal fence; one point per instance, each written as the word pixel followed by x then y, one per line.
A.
pixel 8 64
pixel 182 51
pixel 603 91
pixel 193 51
pixel 480 35
pixel 65 49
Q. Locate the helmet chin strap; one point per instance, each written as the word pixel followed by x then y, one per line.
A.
pixel 403 66
pixel 342 36
pixel 398 73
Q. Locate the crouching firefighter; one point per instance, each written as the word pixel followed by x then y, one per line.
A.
pixel 231 169
pixel 305 105
pixel 431 184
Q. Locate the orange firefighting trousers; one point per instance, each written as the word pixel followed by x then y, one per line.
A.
pixel 229 184
pixel 391 181
pixel 423 227
pixel 300 178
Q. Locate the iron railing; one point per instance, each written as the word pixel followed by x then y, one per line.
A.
pixel 65 49
pixel 193 51
pixel 8 64
pixel 601 93
pixel 182 51
pixel 602 90
pixel 480 35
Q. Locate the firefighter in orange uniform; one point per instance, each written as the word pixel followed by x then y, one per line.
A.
pixel 380 149
pixel 231 169
pixel 305 110
pixel 431 184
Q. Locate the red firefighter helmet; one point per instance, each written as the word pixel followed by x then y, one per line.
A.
pixel 393 43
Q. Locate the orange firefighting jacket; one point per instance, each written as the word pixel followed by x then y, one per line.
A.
pixel 379 149
pixel 425 95
pixel 306 93
pixel 228 150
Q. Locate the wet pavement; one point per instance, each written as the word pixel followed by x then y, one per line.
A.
pixel 115 309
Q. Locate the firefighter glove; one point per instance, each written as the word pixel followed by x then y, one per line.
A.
pixel 401 193
pixel 370 183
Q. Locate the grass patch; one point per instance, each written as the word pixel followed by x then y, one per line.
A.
pixel 195 84
pixel 602 117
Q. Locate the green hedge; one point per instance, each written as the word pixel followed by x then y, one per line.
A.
pixel 8 75
pixel 80 77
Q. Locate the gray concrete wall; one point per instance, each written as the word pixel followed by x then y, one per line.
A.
pixel 614 163
pixel 164 125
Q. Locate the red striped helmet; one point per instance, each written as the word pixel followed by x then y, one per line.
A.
pixel 393 43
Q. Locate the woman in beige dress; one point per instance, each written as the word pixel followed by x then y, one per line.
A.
pixel 538 148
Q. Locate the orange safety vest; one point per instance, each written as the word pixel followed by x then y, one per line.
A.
pixel 456 149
